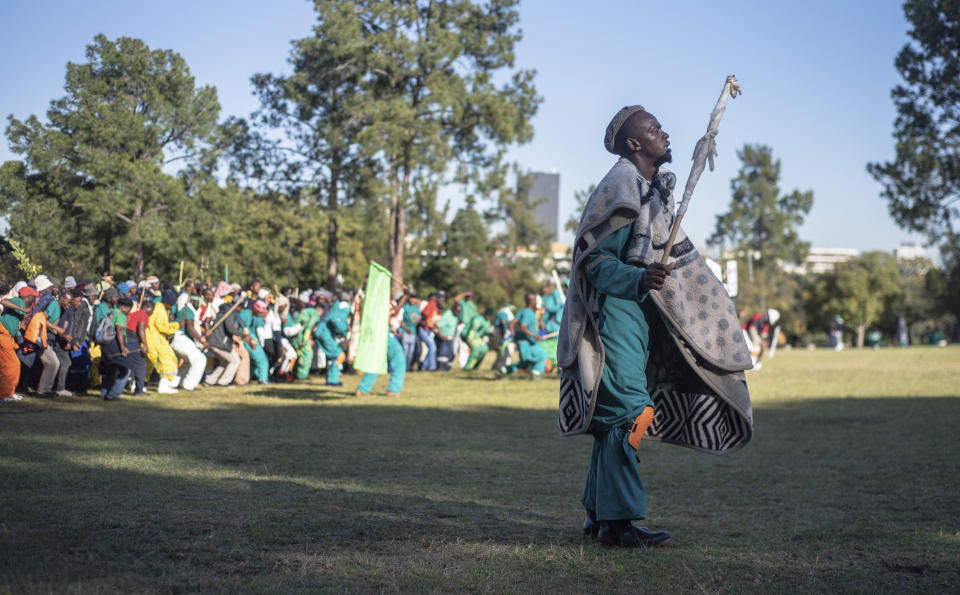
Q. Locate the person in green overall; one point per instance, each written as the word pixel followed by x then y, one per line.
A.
pixel 468 309
pixel 251 319
pixel 613 493
pixel 396 362
pixel 532 355
pixel 334 325
pixel 480 328
pixel 307 318
pixel 552 309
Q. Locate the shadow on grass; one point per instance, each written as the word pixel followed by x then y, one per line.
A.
pixel 848 494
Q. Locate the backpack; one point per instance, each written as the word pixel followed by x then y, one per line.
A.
pixel 106 331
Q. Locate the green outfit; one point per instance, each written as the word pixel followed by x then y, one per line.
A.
pixel 613 488
pixel 118 317
pixel 468 310
pixel 53 311
pixel 447 324
pixel 307 318
pixel 259 366
pixel 552 311
pixel 480 327
pixel 334 324
pixel 11 318
pixel 398 369
pixel 532 355
pixel 102 310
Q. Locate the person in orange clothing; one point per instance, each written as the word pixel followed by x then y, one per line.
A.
pixel 13 312
pixel 9 367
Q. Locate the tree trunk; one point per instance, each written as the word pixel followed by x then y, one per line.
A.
pixel 138 254
pixel 861 332
pixel 332 229
pixel 396 230
pixel 107 240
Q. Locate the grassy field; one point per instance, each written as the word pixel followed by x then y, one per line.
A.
pixel 464 484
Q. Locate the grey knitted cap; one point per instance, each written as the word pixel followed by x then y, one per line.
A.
pixel 614 126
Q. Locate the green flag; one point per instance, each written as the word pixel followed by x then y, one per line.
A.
pixel 374 322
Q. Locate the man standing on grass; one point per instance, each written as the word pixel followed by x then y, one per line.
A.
pixel 643 347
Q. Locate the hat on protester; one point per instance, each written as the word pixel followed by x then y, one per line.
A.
pixel 324 293
pixel 27 290
pixel 223 288
pixel 76 293
pixel 69 283
pixel 263 293
pixel 42 283
pixel 260 307
pixel 152 279
pixel 89 290
pixel 345 296
pixel 441 294
pixel 774 316
pixel 56 281
pixel 18 285
pixel 281 302
pixel 168 297
pixel 124 287
pixel 610 138
pixel 235 287
pixel 125 301
pixel 304 297
pixel 111 293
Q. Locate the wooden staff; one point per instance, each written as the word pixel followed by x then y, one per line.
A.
pixel 225 316
pixel 705 151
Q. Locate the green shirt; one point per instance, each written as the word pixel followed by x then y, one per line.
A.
pixel 528 317
pixel 447 325
pixel 411 317
pixel 53 311
pixel 118 317
pixel 184 313
pixel 11 318
pixel 102 310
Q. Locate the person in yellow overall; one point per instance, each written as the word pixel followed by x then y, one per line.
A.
pixel 160 354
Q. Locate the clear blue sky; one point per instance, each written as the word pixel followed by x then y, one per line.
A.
pixel 816 78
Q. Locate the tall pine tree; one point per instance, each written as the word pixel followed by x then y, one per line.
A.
pixel 92 182
pixel 762 223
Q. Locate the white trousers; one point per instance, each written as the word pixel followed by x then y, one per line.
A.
pixel 194 362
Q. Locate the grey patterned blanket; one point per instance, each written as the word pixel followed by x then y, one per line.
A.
pixel 697 351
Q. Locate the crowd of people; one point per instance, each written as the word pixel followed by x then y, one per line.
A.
pixel 61 338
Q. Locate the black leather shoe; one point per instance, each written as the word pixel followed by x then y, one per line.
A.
pixel 626 534
pixel 590 526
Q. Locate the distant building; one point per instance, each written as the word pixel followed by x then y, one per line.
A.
pixel 822 260
pixel 909 251
pixel 545 187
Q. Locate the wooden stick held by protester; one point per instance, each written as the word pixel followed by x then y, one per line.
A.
pixel 705 151
pixel 225 316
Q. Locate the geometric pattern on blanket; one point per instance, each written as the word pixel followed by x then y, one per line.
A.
pixel 572 413
pixel 696 420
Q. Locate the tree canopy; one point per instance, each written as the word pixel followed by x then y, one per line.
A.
pixel 762 223
pixel 922 183
pixel 96 171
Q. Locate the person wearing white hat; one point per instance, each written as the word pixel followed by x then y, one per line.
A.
pixel 42 283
